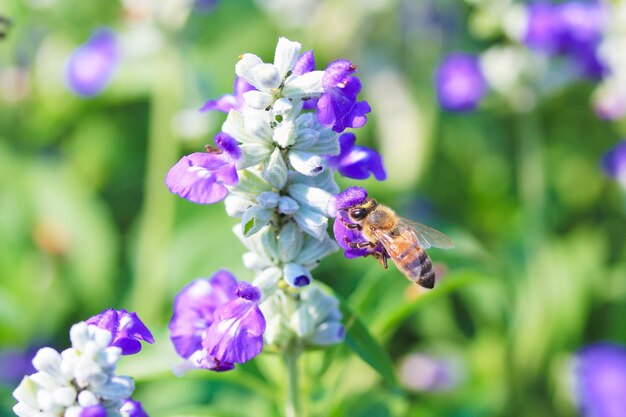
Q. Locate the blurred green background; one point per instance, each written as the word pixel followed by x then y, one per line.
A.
pixel 86 222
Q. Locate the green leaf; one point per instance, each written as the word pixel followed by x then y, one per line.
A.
pixel 360 340
pixel 388 323
pixel 248 226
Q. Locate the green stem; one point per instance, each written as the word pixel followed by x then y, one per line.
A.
pixel 151 261
pixel 292 406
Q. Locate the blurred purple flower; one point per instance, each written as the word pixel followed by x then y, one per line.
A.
pixel 614 162
pixel 543 27
pixel 126 328
pixel 217 322
pixel 132 408
pixel 423 372
pixel 14 364
pixel 337 107
pixel 202 177
pixel 94 411
pixel 92 65
pixel 228 102
pixel 600 376
pixel 459 83
pixel 355 161
pixel 351 196
pixel 572 28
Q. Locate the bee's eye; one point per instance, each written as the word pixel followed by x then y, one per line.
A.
pixel 358 214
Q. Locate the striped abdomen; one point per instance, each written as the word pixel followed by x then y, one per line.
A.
pixel 415 264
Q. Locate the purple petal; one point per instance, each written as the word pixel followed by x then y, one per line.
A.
pixel 241 87
pixel 357 162
pixel 200 177
pixel 337 72
pixel 94 411
pixel 304 64
pixel 126 328
pixel 194 307
pixel 343 235
pixel 544 27
pixel 228 144
pixel 349 197
pixel 236 335
pixel 132 408
pixel 225 103
pixel 92 65
pixel 229 102
pixel 601 380
pixel 459 82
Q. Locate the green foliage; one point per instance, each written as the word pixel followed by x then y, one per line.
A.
pixel 87 223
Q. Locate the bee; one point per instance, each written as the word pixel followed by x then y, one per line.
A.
pixel 401 240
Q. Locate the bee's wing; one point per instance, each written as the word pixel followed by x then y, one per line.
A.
pixel 396 244
pixel 426 236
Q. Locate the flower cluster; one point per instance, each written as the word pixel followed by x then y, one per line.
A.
pixel 273 165
pixel 81 380
pixel 575 38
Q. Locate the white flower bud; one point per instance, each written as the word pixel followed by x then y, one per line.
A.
pixel 267 281
pixel 268 199
pixel 275 171
pixel 306 138
pixel 252 260
pixel 257 100
pixel 306 163
pixel 301 322
pixel 327 144
pixel 290 241
pixel 285 134
pixel 257 123
pixel 286 55
pixel 244 68
pixel 312 222
pixel 328 334
pixel 314 250
pixel 48 360
pixel 117 388
pixel 236 205
pixel 266 77
pixel 305 85
pixel 296 275
pixel 64 396
pixel 235 127
pixel 253 154
pixel 254 219
pixel 312 197
pixel 287 205
pixel 282 106
pixel 87 398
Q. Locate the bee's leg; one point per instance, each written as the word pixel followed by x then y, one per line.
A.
pixel 350 226
pixel 359 245
pixel 381 257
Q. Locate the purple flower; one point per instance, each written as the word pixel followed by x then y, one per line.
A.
pixel 126 328
pixel 230 101
pixel 600 376
pixel 94 411
pixel 202 177
pixel 132 408
pixel 572 28
pixel 614 162
pixel 543 27
pixel 351 196
pixel 217 322
pixel 337 107
pixel 355 161
pixel 459 83
pixel 91 66
pixel 304 64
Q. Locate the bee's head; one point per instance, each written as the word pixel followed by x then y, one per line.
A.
pixel 360 211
